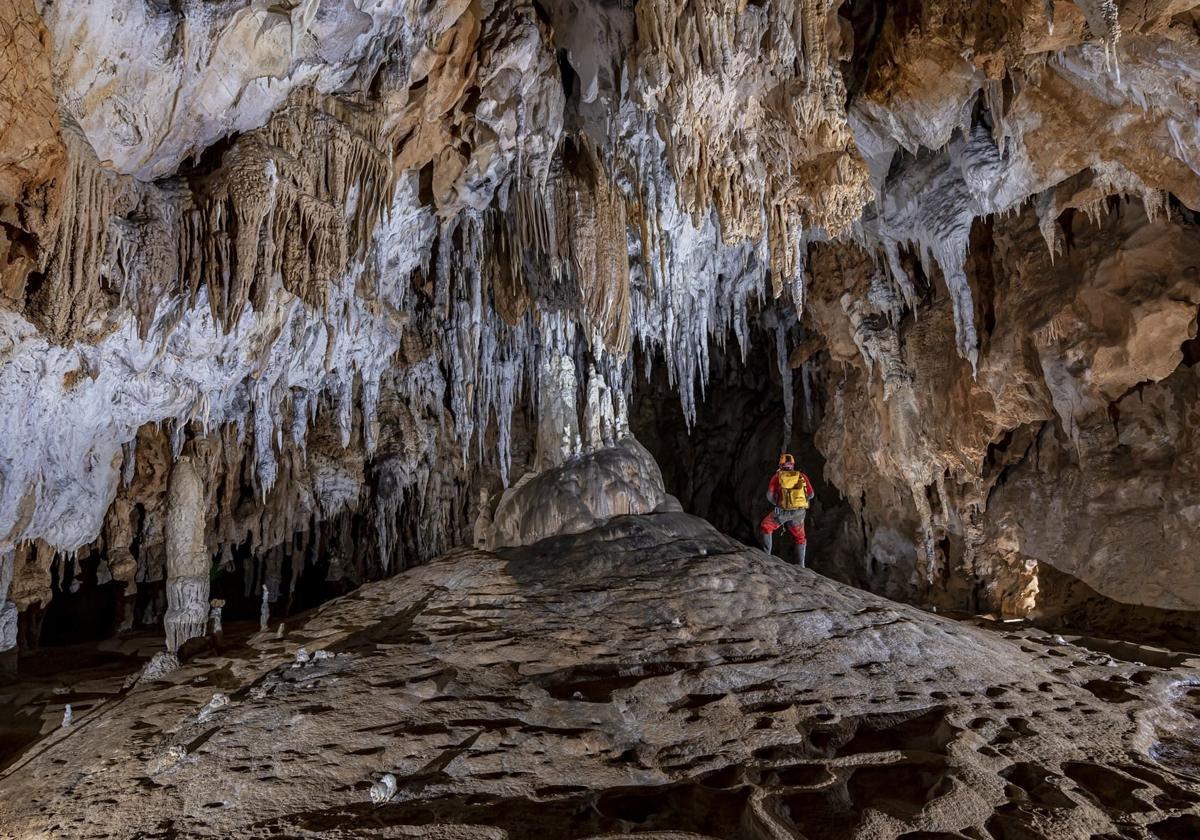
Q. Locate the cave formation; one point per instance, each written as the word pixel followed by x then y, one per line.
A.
pixel 389 392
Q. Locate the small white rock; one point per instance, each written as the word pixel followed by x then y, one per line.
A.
pixel 67 716
pixel 162 664
pixel 383 790
pixel 173 756
pixel 218 701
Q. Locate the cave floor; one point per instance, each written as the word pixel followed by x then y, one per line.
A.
pixel 86 675
pixel 649 677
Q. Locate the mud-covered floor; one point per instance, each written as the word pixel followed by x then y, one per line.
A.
pixel 647 676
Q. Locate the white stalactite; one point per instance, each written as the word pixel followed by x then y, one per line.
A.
pixel 558 417
pixel 785 378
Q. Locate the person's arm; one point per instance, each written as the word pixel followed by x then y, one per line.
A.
pixel 773 490
pixel 808 488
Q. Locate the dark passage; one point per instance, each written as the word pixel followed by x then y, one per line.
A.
pixel 719 469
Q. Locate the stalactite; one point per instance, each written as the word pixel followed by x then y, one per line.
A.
pixel 1047 213
pixel 73 261
pixel 298 199
pixel 743 159
pixel 963 302
pixel 785 378
pixel 590 218
pixel 1103 20
pixel 143 252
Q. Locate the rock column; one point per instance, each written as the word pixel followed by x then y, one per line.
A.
pixel 187 558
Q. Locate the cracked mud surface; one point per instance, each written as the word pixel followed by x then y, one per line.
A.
pixel 648 677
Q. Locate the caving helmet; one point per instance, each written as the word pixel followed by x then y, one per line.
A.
pixel 787 462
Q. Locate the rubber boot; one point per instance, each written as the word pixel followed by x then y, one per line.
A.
pixel 767 541
pixel 800 551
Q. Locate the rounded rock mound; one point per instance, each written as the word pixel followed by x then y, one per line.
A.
pixel 650 677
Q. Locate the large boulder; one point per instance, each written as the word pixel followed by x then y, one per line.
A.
pixel 580 494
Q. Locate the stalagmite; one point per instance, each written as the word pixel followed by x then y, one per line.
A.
pixel 216 605
pixel 187 556
pixel 264 611
pixel 218 701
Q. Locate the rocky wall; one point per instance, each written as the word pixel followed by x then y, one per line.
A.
pixel 1071 446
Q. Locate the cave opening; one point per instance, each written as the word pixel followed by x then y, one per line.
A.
pixel 719 466
pixel 87 606
pixel 84 603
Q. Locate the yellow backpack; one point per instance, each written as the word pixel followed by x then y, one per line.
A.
pixel 792 490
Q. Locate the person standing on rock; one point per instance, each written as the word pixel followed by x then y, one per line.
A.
pixel 790 491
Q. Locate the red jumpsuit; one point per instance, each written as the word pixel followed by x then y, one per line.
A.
pixel 793 520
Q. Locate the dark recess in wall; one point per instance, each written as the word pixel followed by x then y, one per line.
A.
pixel 719 470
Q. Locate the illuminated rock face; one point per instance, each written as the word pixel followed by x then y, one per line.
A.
pixel 380 261
pixel 648 675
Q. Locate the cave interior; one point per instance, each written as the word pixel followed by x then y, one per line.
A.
pixel 391 391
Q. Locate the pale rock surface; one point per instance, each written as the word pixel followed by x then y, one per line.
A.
pixel 150 83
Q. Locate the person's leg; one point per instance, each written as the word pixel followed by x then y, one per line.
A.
pixel 766 530
pixel 801 538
